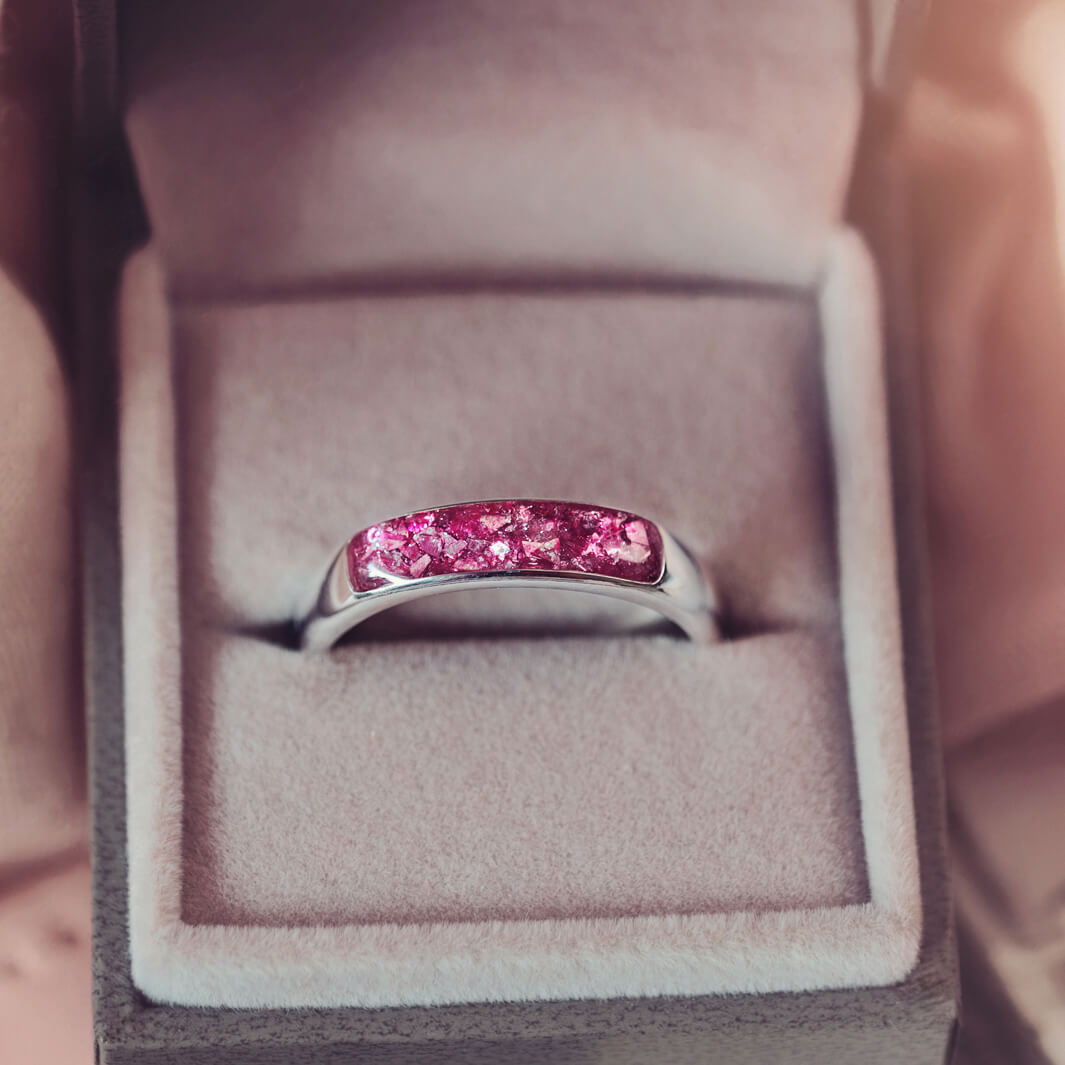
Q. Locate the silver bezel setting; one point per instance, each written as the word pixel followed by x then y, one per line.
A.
pixel 683 593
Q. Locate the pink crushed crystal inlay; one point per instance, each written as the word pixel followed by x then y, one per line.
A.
pixel 522 535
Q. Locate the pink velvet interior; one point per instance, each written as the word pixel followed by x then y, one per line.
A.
pixel 282 143
pixel 579 813
pixel 503 778
pixel 370 220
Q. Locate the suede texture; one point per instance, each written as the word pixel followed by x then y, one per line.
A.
pixel 504 817
pixel 368 140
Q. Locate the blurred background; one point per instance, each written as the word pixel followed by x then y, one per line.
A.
pixel 985 144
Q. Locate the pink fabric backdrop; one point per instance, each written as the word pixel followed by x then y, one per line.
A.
pixel 987 137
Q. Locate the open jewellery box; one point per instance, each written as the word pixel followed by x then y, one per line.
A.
pixel 339 261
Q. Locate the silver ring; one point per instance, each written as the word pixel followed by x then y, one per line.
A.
pixel 513 543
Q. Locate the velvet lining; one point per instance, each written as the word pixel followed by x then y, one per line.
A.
pixel 281 145
pixel 417 822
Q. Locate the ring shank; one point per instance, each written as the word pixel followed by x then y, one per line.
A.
pixel 682 594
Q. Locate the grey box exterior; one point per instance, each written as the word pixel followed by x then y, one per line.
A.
pixel 912 1022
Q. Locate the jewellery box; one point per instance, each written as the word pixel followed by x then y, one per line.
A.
pixel 346 260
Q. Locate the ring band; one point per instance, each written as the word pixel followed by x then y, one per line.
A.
pixel 511 543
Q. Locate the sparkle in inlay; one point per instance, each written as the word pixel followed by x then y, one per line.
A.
pixel 524 535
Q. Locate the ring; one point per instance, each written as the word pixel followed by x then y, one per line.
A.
pixel 515 543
